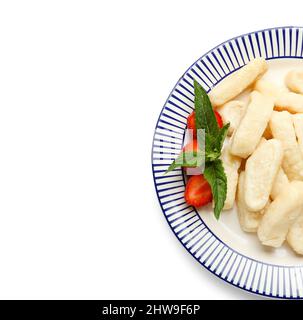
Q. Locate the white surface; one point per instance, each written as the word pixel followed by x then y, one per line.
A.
pixel 82 85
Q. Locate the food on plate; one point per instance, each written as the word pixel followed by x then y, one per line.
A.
pixel 295 234
pixel 191 122
pixel 198 191
pixel 293 163
pixel 208 130
pixel 232 112
pixel 260 173
pixel 237 82
pixel 294 81
pixel 269 89
pixel 191 147
pixel 219 119
pixel 263 140
pixel 249 220
pixel 231 166
pixel 281 214
pixel 280 181
pixel 281 126
pixel 252 126
pixel 290 101
pixel 259 169
pixel 282 98
pixel 298 125
pixel 267 133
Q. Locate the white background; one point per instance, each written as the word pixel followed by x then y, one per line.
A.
pixel 81 87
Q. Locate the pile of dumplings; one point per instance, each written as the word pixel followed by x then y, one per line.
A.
pixel 263 158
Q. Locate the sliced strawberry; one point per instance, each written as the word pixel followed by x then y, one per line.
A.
pixel 191 146
pixel 192 171
pixel 191 123
pixel 219 119
pixel 197 191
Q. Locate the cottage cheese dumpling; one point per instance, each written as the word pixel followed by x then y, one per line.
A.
pixel 281 214
pixel 252 126
pixel 237 82
pixel 281 125
pixel 232 112
pixel 269 89
pixel 293 163
pixel 260 173
pixel 294 81
pixel 289 101
pixel 298 125
pixel 267 133
pixel 281 180
pixel 295 234
pixel 231 166
pixel 249 220
pixel 283 99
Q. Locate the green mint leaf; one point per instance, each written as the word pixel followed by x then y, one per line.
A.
pixel 218 143
pixel 201 139
pixel 210 142
pixel 205 116
pixel 212 156
pixel 187 159
pixel 215 175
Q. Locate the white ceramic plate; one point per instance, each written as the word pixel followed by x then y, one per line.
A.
pixel 221 246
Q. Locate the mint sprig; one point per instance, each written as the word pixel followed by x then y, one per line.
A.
pixel 214 138
pixel 216 177
pixel 219 139
pixel 188 159
pixel 210 138
pixel 205 116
